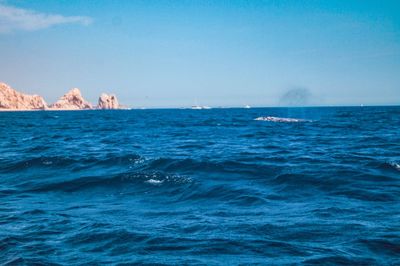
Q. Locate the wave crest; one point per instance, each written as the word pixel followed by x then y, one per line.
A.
pixel 280 119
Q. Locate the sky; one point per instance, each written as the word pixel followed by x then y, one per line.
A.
pixel 215 53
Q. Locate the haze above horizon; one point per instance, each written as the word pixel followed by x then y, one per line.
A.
pixel 214 53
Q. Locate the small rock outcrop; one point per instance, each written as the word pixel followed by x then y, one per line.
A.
pixel 72 100
pixel 108 102
pixel 11 99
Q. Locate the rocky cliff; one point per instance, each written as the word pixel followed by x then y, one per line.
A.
pixel 72 100
pixel 11 99
pixel 108 102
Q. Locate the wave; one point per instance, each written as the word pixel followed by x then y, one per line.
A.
pixel 157 186
pixel 155 181
pixel 63 162
pixel 122 180
pixel 189 166
pixel 281 119
pixel 340 260
pixel 394 165
pixel 386 169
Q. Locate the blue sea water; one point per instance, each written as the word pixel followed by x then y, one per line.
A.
pixel 202 187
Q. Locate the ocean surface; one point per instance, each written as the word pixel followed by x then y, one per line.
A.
pixel 201 187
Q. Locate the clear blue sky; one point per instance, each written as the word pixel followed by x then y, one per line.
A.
pixel 217 53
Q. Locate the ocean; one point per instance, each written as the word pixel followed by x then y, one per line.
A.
pixel 201 187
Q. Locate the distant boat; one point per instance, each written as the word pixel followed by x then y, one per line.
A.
pixel 198 107
pixel 247 106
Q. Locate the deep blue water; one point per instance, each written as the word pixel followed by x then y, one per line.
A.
pixel 201 187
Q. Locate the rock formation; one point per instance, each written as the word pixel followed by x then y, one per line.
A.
pixel 108 102
pixel 11 99
pixel 72 100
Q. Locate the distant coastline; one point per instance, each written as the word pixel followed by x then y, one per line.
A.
pixel 13 100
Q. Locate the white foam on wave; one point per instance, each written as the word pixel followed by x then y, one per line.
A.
pixel 154 181
pixel 176 179
pixel 396 165
pixel 280 119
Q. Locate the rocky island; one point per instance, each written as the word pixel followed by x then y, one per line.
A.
pixel 13 100
pixel 108 102
pixel 72 100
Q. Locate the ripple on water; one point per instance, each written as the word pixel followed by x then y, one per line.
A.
pixel 191 187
